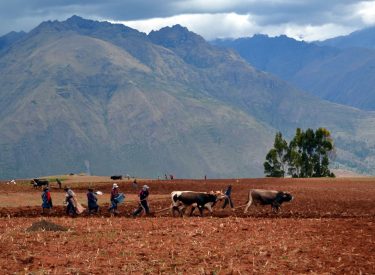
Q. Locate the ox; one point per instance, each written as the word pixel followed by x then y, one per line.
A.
pixel 183 199
pixel 39 182
pixel 116 177
pixel 265 197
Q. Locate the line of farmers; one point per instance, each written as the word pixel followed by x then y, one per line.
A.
pixel 73 207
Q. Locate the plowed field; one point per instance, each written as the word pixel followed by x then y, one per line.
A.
pixel 328 228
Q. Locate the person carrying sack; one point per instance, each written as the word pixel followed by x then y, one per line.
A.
pixel 73 207
pixel 114 199
pixel 70 202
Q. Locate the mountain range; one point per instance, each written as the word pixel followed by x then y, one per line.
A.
pixel 364 38
pixel 341 74
pixel 7 40
pixel 82 91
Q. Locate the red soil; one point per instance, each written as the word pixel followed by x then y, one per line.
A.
pixel 327 228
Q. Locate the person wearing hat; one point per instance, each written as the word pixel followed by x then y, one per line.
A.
pixel 46 200
pixel 114 194
pixel 70 202
pixel 143 202
pixel 92 201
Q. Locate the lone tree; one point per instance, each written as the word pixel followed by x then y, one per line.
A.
pixel 307 155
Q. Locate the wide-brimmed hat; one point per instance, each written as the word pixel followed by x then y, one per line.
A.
pixel 146 187
pixel 115 185
pixel 45 187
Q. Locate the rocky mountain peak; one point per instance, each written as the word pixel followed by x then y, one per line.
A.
pixel 86 27
pixel 175 36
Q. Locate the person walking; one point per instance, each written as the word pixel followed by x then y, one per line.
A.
pixel 135 184
pixel 46 200
pixel 59 183
pixel 114 195
pixel 71 209
pixel 228 199
pixel 143 202
pixel 92 201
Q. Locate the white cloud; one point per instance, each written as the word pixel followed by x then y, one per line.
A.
pixel 210 26
pixel 211 5
pixel 313 33
pixel 232 25
pixel 301 19
pixel 366 11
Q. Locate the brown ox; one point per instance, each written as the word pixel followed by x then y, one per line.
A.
pixel 265 197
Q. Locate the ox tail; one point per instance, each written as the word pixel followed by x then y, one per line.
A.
pixel 248 203
pixel 248 197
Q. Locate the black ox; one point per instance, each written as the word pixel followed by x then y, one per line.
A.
pixel 268 197
pixel 183 199
pixel 116 177
pixel 39 182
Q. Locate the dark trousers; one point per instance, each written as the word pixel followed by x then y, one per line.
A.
pixel 113 206
pixel 70 209
pixel 93 209
pixel 226 201
pixel 143 205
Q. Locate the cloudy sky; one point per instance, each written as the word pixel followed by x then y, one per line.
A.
pixel 301 19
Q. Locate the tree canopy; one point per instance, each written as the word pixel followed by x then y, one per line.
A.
pixel 307 155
